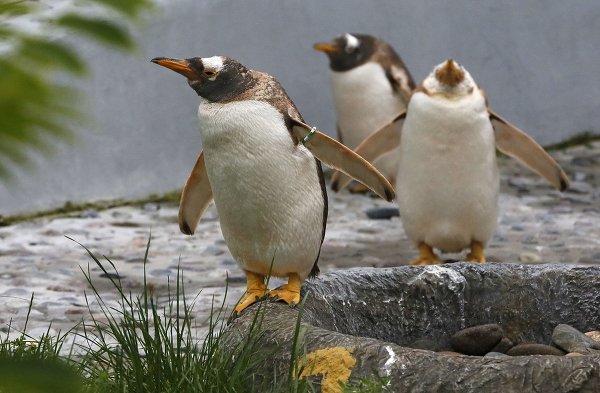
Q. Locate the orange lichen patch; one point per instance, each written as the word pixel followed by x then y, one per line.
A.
pixel 334 364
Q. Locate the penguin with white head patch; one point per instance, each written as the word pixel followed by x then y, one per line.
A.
pixel 261 165
pixel 370 86
pixel 447 175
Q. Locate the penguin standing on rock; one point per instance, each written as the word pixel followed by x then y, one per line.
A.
pixel 261 165
pixel 447 175
pixel 370 86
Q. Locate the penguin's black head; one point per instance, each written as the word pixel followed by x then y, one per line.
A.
pixel 217 78
pixel 348 50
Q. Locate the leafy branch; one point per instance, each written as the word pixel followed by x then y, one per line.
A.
pixel 34 105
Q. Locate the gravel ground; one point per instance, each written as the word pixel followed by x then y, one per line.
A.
pixel 537 225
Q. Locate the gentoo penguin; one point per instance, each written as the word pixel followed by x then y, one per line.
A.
pixel 370 86
pixel 261 165
pixel 447 175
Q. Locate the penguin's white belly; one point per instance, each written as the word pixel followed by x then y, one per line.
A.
pixel 266 189
pixel 364 102
pixel 448 177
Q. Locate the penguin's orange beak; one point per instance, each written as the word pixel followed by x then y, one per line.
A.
pixel 449 74
pixel 180 66
pixel 327 47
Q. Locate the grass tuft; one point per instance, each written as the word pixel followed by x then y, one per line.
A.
pixel 141 345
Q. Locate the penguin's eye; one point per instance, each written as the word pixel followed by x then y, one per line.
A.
pixel 209 73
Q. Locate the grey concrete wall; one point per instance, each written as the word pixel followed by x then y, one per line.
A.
pixel 537 60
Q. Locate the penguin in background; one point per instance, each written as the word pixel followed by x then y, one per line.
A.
pixel 370 86
pixel 448 181
pixel 261 164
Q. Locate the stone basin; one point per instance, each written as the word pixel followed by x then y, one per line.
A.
pixel 370 316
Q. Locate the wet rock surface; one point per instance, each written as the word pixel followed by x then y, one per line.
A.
pixel 341 309
pixel 572 340
pixel 382 213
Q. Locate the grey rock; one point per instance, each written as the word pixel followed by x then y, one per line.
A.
pixel 579 187
pixel 90 213
pixel 228 262
pixel 16 292
pixel 530 257
pixel 562 210
pixel 590 210
pixel 530 240
pixel 584 161
pixel 521 184
pixel 376 313
pixel 162 272
pixel 576 199
pixel 137 259
pixel 151 207
pixel 120 215
pixel 114 276
pixel 495 355
pixel 126 224
pixel 215 250
pixel 572 340
pixel 382 213
pixel 236 279
pixel 476 340
pixel 528 349
pixel 368 230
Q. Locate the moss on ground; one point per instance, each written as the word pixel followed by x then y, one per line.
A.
pixel 583 138
pixel 71 209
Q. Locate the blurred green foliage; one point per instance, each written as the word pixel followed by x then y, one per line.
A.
pixel 34 365
pixel 35 107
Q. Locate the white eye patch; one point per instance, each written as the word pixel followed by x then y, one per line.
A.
pixel 214 63
pixel 351 42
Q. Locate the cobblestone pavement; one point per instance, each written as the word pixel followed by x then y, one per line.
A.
pixel 536 225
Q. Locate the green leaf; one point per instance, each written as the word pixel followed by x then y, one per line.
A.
pixel 13 8
pixel 130 8
pixel 101 30
pixel 52 54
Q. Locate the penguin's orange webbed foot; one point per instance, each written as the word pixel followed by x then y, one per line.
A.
pixel 426 257
pixel 249 298
pixel 288 293
pixel 256 290
pixel 476 254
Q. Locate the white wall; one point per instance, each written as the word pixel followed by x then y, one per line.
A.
pixel 537 60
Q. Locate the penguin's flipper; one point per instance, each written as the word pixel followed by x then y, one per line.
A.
pixel 195 198
pixel 339 157
pixel 517 144
pixel 375 145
